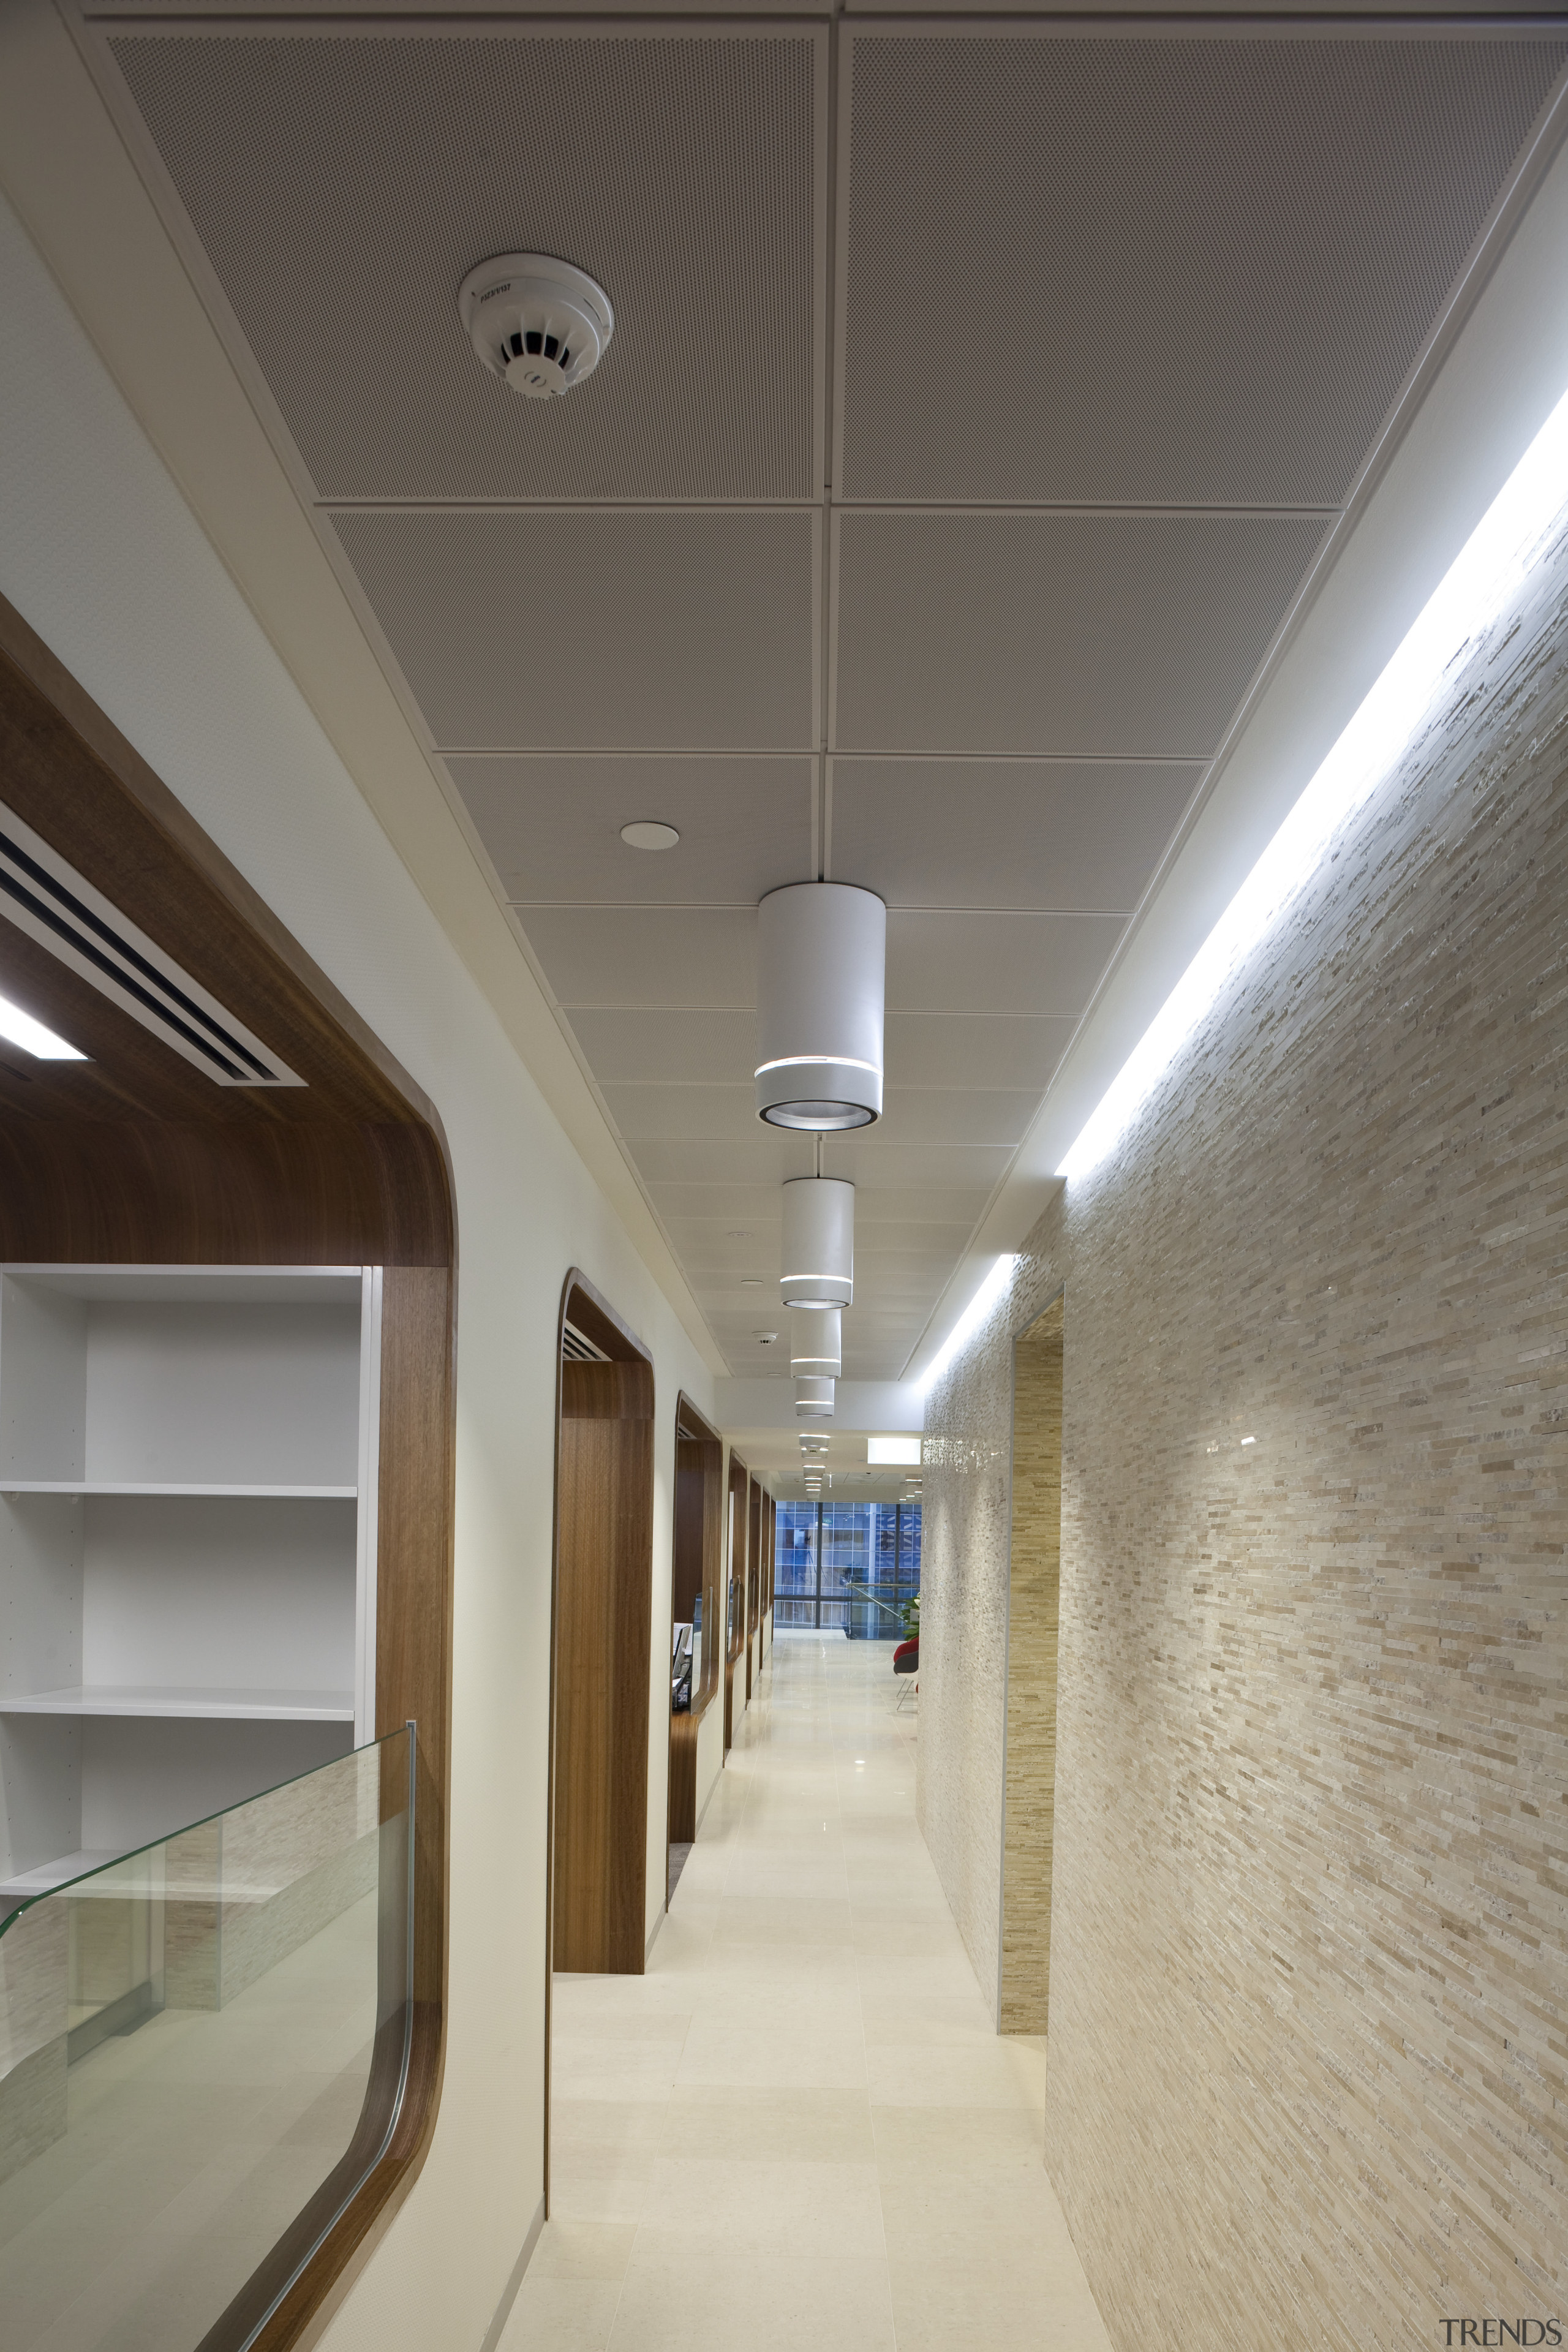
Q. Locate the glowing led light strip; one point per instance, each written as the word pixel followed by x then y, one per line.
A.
pixel 969 1322
pixel 20 1029
pixel 1483 579
pixel 815 1061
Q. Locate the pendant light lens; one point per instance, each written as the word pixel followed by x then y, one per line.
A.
pixel 818 1242
pixel 822 952
pixel 813 1399
pixel 817 1341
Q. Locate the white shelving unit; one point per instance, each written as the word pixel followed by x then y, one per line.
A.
pixel 188 1472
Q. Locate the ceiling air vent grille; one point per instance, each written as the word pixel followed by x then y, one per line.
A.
pixel 50 901
pixel 578 1349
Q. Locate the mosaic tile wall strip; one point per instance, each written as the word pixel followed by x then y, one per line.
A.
pixel 1034 1583
pixel 1308 1988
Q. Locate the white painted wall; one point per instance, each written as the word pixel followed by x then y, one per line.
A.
pixel 100 552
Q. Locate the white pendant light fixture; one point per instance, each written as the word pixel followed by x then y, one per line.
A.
pixel 817 1341
pixel 818 1242
pixel 822 952
pixel 813 1399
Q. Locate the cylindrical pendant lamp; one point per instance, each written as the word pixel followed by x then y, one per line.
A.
pixel 813 1399
pixel 817 1247
pixel 822 952
pixel 817 1341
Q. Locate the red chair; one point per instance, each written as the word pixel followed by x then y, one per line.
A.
pixel 907 1657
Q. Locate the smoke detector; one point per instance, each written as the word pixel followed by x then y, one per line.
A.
pixel 538 324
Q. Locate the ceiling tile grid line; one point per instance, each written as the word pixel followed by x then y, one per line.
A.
pixel 195 255
pixel 985 399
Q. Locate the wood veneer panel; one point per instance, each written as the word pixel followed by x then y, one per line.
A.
pixel 754 1573
pixel 604 1599
pixel 137 1158
pixel 69 771
pixel 695 1569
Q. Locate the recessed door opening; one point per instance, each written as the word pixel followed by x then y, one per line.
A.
pixel 734 1589
pixel 695 1657
pixel 601 1632
pixel 1033 1586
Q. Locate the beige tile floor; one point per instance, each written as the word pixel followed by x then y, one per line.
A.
pixel 798 2129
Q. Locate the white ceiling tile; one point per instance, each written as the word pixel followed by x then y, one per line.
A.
pixel 875 1237
pixel 768 1156
pixel 865 1161
pixel 552 826
pixel 882 1273
pixel 878 1204
pixel 1111 635
pixel 1212 258
pixel 701 1048
pixel 725 1114
pixel 710 1242
pixel 729 1205
pixel 703 960
pixel 1080 836
pixel 1198 268
pixel 999 964
pixel 343 186
pixel 661 630
pixel 960 1049
pixel 919 1115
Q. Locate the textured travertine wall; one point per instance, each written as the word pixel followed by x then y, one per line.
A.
pixel 1032 1596
pixel 1309 1934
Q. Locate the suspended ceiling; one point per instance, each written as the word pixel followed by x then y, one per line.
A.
pixel 980 403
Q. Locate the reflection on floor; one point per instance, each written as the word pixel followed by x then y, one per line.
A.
pixel 678 1859
pixel 798 2129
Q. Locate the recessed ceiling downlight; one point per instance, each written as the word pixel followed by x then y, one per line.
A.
pixel 542 325
pixel 647 834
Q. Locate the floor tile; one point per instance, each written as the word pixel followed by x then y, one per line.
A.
pixel 750 2125
pixel 799 2131
pixel 780 2207
pixel 762 2303
pixel 562 2313
pixel 583 2250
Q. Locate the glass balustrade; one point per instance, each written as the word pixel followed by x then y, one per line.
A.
pixel 203 2046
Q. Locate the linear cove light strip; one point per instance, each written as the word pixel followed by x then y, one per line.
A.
pixel 19 1028
pixel 1483 581
pixel 969 1322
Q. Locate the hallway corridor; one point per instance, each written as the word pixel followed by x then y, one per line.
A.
pixel 870 2173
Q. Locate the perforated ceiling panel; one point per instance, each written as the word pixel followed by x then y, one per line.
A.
pixel 1068 834
pixel 686 630
pixel 691 959
pixel 553 826
pixel 343 187
pixel 1168 270
pixel 1123 636
pixel 1119 316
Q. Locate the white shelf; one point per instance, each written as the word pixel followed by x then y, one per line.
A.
pixel 48 1875
pixel 125 1487
pixel 212 1704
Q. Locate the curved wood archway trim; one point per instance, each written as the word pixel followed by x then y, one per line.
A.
pixel 133 1157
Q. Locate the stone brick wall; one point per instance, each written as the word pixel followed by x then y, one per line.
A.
pixel 1309 1989
pixel 1034 1583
